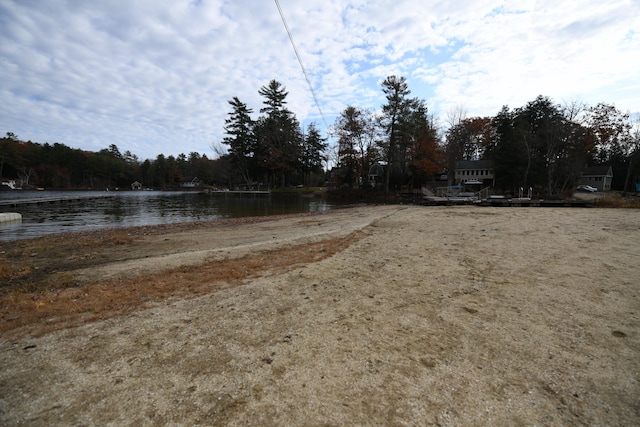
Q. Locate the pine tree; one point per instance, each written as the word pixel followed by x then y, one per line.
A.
pixel 396 91
pixel 278 135
pixel 241 138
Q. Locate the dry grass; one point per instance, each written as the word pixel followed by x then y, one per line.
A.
pixel 615 200
pixel 54 300
pixel 40 264
pixel 31 265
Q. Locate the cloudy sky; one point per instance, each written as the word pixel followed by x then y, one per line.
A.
pixel 155 76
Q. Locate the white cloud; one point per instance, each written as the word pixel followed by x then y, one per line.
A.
pixel 155 77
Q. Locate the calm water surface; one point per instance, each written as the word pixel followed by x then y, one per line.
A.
pixel 134 208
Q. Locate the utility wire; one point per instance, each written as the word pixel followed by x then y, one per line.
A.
pixel 295 49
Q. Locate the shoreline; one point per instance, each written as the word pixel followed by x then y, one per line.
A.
pixel 63 276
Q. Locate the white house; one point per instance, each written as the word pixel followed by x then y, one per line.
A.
pixel 475 172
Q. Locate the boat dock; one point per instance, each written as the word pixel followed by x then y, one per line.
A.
pixel 240 193
pixel 514 202
pixel 46 200
pixel 526 202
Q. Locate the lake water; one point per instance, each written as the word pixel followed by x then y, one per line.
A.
pixel 135 208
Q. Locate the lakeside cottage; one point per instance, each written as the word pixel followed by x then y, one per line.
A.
pixel 599 177
pixel 191 183
pixel 475 172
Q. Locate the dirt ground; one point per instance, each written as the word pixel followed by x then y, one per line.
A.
pixel 378 315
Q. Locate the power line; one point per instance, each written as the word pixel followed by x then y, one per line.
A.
pixel 295 49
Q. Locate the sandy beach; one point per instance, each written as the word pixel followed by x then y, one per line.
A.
pixel 374 315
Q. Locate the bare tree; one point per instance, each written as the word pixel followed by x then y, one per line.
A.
pixel 456 115
pixel 574 109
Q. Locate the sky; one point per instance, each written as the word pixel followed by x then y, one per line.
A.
pixel 155 77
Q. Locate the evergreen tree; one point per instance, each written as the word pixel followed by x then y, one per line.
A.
pixel 351 129
pixel 241 139
pixel 393 112
pixel 313 155
pixel 507 151
pixel 278 136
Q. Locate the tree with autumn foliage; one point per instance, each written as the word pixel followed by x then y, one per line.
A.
pixel 468 139
pixel 611 130
pixel 425 154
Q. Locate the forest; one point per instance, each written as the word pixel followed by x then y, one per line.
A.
pixel 543 145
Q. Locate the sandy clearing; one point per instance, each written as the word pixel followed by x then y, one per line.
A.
pixel 438 316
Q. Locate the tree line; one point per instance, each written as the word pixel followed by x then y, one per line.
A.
pixel 270 151
pixel 546 146
pixel 542 144
pixel 58 166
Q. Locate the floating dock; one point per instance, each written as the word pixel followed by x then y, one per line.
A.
pixel 6 217
pixel 45 200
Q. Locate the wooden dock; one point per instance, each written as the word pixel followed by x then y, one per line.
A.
pixel 47 200
pixel 525 202
pixel 514 202
pixel 240 193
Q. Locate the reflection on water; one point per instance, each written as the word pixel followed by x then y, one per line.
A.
pixel 134 208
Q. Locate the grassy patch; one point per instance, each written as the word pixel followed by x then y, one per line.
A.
pixel 615 200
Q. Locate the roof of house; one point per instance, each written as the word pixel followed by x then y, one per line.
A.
pixel 474 164
pixel 598 171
